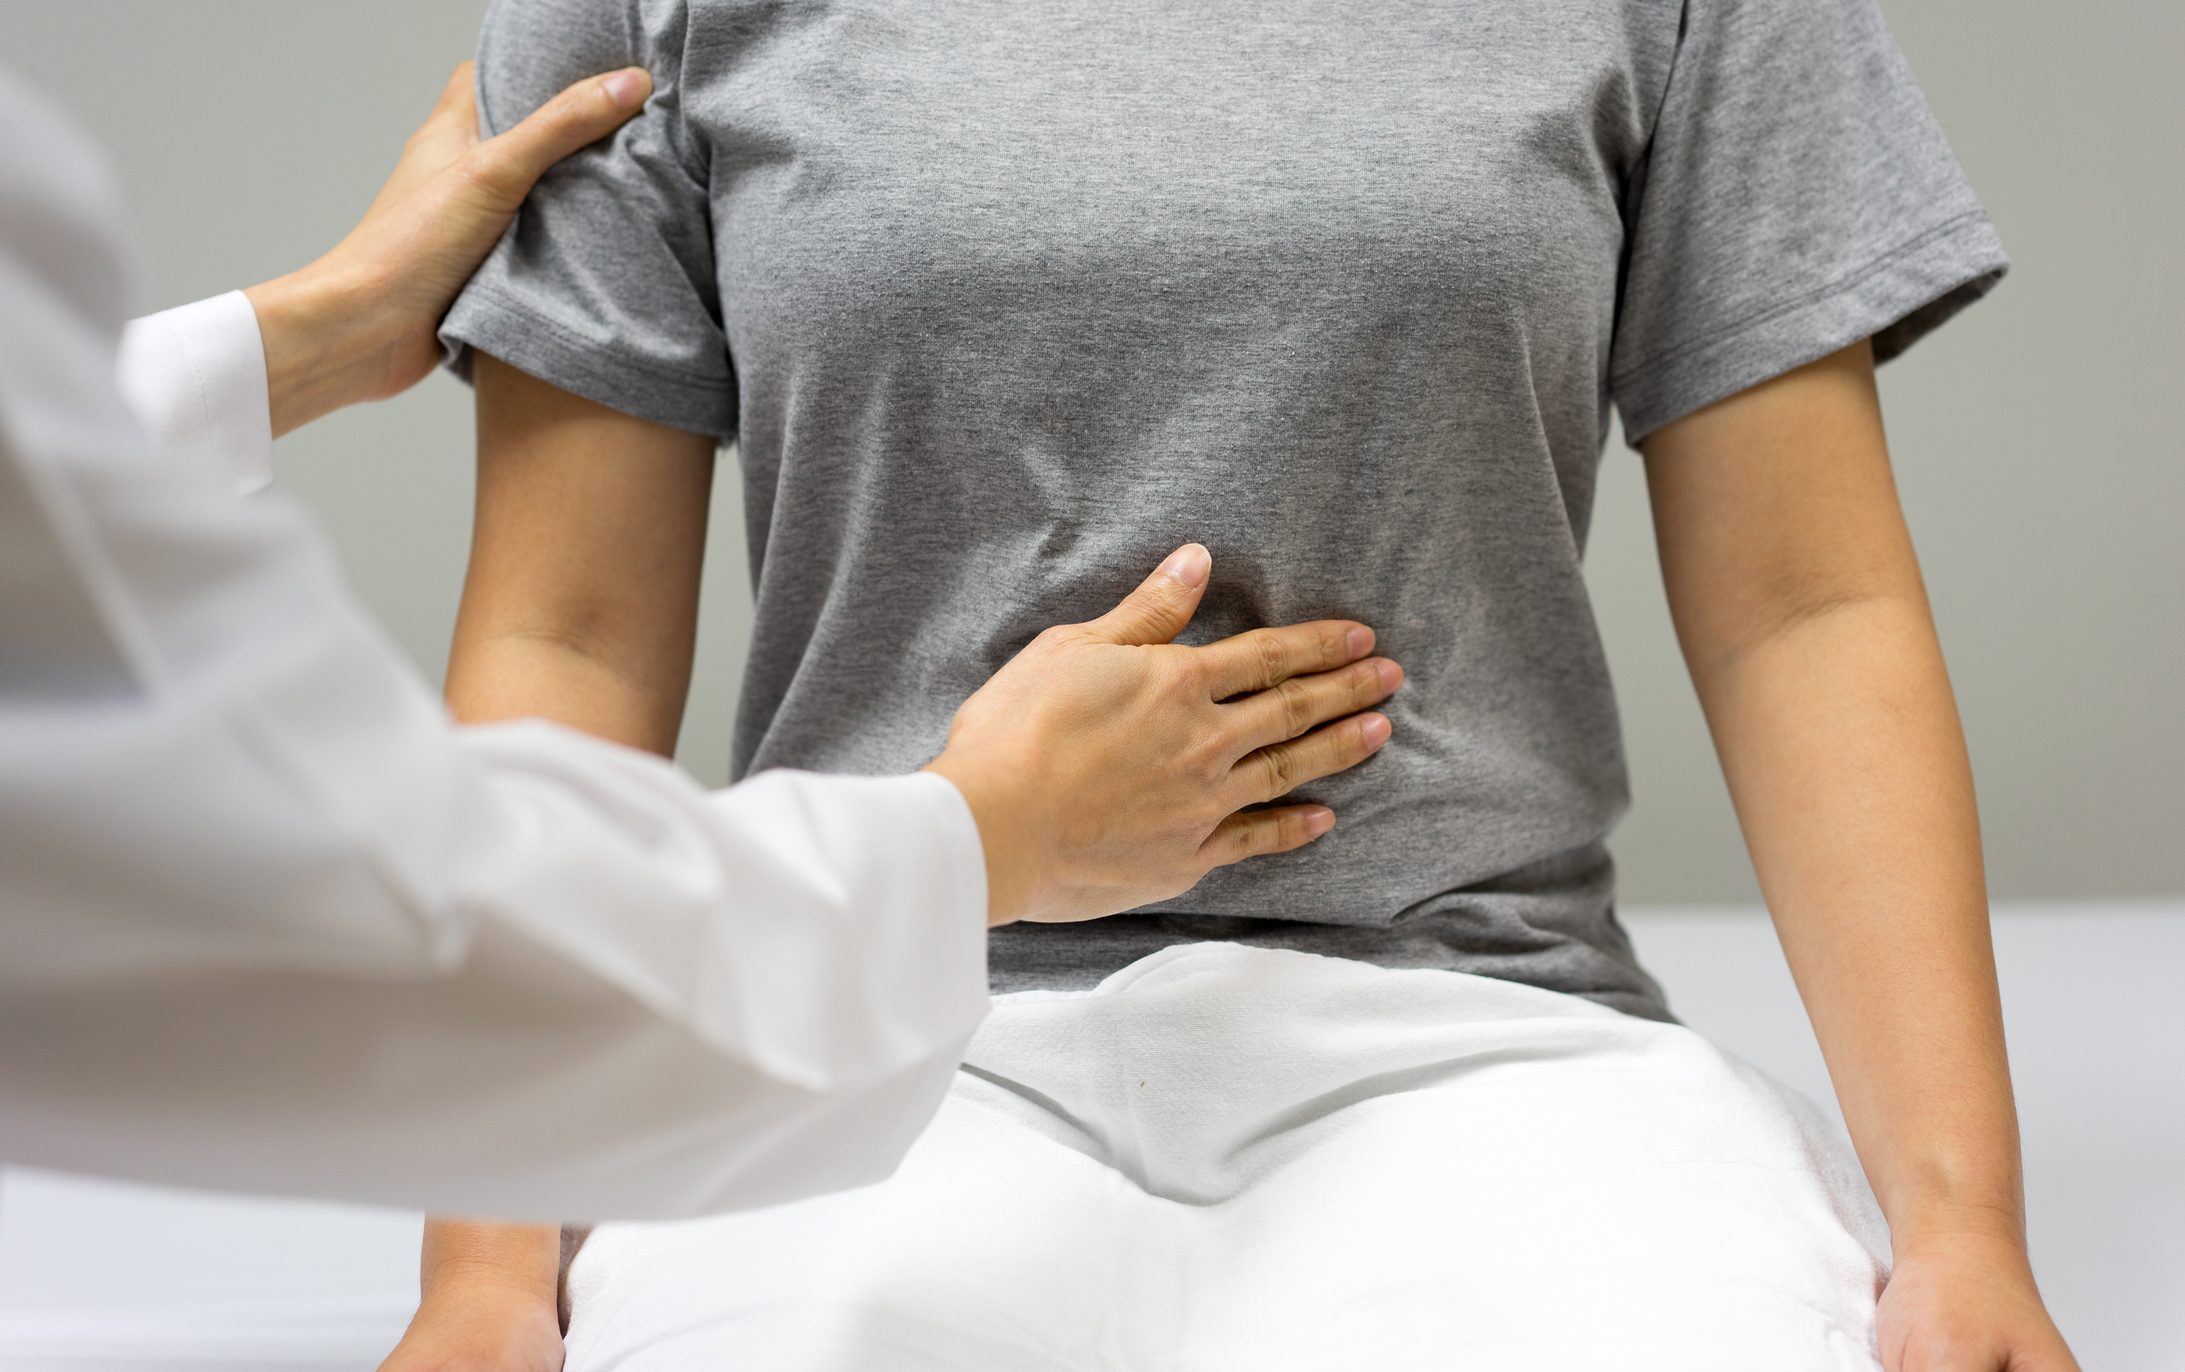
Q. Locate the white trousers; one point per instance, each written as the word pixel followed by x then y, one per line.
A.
pixel 1238 1158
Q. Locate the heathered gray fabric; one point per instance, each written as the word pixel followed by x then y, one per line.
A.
pixel 1004 300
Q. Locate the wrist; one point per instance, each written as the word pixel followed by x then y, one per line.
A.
pixel 464 1261
pixel 1956 1191
pixel 1994 1226
pixel 1008 832
pixel 320 355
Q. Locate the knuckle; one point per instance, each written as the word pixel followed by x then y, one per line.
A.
pixel 1163 593
pixel 590 100
pixel 1365 684
pixel 1181 670
pixel 1296 702
pixel 1276 770
pixel 1272 657
pixel 1329 751
pixel 571 101
pixel 1203 759
pixel 1211 757
pixel 1347 745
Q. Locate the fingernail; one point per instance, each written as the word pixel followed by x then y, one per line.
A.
pixel 1390 674
pixel 628 88
pixel 1375 728
pixel 1319 820
pixel 1188 564
pixel 1359 641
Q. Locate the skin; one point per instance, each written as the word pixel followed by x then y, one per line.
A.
pixel 1804 623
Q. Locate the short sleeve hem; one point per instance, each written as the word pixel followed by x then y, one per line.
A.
pixel 490 321
pixel 1894 299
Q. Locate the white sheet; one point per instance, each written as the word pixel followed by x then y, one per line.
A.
pixel 102 1278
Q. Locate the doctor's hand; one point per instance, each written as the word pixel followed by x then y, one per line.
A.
pixel 362 322
pixel 1109 767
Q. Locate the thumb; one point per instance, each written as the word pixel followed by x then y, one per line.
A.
pixel 1163 603
pixel 578 117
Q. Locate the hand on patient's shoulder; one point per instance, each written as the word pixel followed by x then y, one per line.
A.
pixel 1107 766
pixel 362 322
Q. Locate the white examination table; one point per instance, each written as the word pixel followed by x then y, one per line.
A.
pixel 96 1277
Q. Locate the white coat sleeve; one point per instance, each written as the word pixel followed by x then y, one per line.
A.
pixel 196 377
pixel 270 922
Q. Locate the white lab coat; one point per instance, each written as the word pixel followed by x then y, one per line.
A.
pixel 270 922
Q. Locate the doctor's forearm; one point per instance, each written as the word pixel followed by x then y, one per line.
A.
pixel 469 1263
pixel 494 676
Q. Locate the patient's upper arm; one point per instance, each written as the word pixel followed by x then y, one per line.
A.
pixel 581 600
pixel 607 284
pixel 1776 505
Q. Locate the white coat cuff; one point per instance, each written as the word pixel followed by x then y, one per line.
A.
pixel 196 377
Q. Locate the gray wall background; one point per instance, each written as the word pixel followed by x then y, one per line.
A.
pixel 2036 438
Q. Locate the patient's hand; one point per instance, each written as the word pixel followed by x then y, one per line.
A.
pixel 1109 767
pixel 480 1328
pixel 488 1301
pixel 1966 1302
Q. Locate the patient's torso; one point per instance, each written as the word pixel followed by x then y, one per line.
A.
pixel 1021 296
pixel 1019 302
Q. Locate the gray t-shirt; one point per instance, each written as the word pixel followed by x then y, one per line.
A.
pixel 1005 300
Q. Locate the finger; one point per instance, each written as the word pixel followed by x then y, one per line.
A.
pixel 1289 708
pixel 1257 660
pixel 1256 833
pixel 1272 773
pixel 1163 603
pixel 461 90
pixel 586 112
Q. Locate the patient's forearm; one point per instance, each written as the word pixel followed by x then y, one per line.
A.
pixel 510 675
pixel 1799 603
pixel 1843 751
pixel 462 1256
